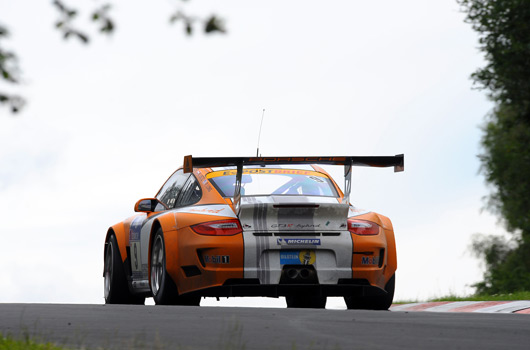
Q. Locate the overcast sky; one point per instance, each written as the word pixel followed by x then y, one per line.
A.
pixel 107 123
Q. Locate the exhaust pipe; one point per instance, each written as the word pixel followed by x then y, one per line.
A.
pixel 293 273
pixel 305 273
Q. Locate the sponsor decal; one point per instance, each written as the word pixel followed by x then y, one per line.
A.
pixel 298 241
pixel 247 226
pixel 315 176
pixel 297 257
pixel 282 225
pixel 134 243
pixel 356 211
pixel 217 259
pixel 307 257
pixel 204 181
pixel 136 226
pixel 370 260
pixel 289 257
pixel 316 179
pixel 217 210
pixel 205 210
pixel 327 223
pixel 295 225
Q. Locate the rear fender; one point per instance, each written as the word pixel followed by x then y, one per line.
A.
pixel 390 265
pixel 391 247
pixel 121 237
pixel 167 222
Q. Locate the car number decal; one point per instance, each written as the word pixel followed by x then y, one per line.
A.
pixel 134 243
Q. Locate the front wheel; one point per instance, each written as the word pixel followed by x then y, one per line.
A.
pixel 163 287
pixel 375 302
pixel 116 290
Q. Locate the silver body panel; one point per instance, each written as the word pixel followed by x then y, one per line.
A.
pixel 277 228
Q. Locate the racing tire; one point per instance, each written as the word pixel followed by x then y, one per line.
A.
pixel 116 288
pixel 163 287
pixel 306 302
pixel 376 302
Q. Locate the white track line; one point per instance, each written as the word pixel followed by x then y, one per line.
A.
pixel 507 308
pixel 404 307
pixel 450 306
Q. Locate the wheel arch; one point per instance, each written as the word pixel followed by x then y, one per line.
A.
pixel 154 228
pixel 120 238
pixel 119 232
pixel 391 247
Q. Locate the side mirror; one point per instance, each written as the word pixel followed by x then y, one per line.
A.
pixel 149 205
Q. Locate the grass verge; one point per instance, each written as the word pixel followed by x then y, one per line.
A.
pixel 8 343
pixel 494 297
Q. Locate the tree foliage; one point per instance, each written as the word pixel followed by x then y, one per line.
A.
pixel 504 29
pixel 66 25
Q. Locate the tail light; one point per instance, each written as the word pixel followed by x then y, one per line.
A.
pixel 363 227
pixel 218 228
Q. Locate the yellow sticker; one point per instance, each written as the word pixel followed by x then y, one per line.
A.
pixel 307 257
pixel 251 171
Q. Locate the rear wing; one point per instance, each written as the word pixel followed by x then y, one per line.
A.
pixel 397 161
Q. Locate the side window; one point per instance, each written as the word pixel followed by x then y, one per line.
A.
pixel 169 192
pixel 191 193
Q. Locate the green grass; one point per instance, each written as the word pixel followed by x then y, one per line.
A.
pixel 495 297
pixel 8 343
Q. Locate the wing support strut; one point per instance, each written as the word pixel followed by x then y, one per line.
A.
pixel 397 161
pixel 347 183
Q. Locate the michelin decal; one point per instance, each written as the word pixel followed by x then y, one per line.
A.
pixel 298 241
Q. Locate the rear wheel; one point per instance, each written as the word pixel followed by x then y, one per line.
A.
pixel 303 301
pixel 163 287
pixel 376 302
pixel 116 289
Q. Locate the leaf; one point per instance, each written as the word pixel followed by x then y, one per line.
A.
pixel 214 24
pixel 59 24
pixel 81 37
pixel 189 28
pixel 108 27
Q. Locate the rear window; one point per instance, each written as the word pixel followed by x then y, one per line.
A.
pixel 277 182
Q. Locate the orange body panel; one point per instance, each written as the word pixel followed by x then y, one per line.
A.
pixel 369 248
pixel 187 248
pixel 121 231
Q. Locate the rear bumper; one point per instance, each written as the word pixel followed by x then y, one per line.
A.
pixel 252 288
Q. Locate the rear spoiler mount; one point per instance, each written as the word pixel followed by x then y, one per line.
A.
pixel 397 161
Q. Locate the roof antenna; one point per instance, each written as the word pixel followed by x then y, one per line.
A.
pixel 259 135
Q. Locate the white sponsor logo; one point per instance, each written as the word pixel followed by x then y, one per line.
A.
pixel 217 210
pixel 298 241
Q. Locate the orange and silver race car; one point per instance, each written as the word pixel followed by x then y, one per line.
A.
pixel 256 226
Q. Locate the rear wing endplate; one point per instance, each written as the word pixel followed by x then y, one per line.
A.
pixel 397 161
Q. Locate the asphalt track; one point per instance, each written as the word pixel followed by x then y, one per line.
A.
pixel 182 327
